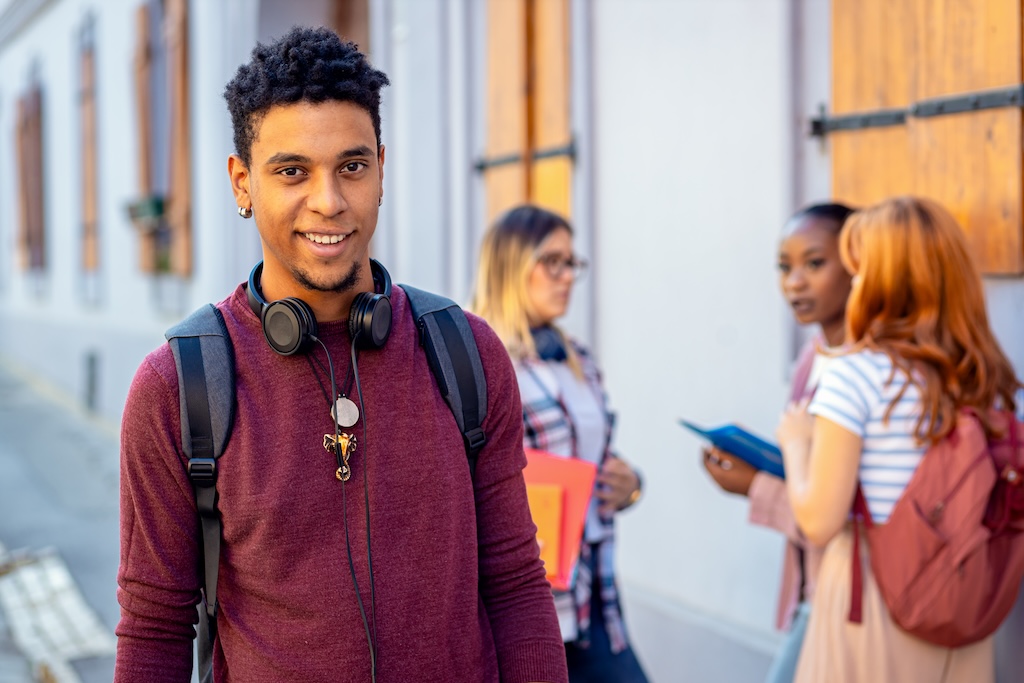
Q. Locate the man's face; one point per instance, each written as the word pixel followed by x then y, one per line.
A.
pixel 314 184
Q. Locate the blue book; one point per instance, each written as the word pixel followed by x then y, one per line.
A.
pixel 761 454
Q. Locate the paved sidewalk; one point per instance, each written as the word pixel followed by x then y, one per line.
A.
pixel 14 666
pixel 58 521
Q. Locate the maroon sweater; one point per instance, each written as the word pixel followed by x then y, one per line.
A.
pixel 459 588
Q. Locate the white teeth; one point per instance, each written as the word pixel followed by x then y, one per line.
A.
pixel 324 239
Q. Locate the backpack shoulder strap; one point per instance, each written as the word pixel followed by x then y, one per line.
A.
pixel 454 358
pixel 204 359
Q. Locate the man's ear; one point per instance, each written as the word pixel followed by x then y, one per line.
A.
pixel 380 166
pixel 238 172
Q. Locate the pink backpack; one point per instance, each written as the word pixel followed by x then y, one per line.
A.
pixel 950 560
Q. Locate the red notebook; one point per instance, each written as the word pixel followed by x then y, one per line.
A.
pixel 559 490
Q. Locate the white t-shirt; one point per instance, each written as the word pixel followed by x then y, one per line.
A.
pixel 855 393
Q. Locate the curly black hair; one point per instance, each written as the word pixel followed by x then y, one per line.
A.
pixel 306 64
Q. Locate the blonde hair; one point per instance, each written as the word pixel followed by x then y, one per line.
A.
pixel 919 298
pixel 507 256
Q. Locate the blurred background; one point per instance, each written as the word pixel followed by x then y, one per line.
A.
pixel 676 135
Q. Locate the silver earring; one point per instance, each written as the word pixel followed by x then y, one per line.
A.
pixel 245 211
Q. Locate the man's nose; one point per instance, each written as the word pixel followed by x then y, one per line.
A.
pixel 326 196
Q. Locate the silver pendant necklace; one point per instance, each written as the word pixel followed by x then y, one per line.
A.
pixel 344 411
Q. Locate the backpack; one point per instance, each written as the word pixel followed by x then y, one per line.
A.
pixel 204 358
pixel 950 560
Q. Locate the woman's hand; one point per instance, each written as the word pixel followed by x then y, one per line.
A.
pixel 795 429
pixel 731 473
pixel 618 484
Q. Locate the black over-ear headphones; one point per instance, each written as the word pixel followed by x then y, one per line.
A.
pixel 290 326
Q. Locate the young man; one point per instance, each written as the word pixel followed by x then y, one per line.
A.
pixel 401 568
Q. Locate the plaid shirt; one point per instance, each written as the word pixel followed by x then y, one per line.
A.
pixel 549 427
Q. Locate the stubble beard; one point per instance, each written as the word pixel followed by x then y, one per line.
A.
pixel 346 284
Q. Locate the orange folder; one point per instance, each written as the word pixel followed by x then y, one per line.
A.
pixel 547 505
pixel 559 491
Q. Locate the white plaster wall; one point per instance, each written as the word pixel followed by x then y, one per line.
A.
pixel 430 125
pixel 693 181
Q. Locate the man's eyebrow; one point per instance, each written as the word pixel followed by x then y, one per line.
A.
pixel 360 151
pixel 288 157
pixel 293 158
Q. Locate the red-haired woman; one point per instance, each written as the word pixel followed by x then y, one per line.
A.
pixel 920 348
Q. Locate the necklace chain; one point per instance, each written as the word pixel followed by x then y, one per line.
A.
pixel 323 389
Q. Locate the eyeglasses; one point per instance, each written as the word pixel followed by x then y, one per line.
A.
pixel 555 265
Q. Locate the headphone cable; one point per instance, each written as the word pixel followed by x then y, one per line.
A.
pixel 344 504
pixel 366 489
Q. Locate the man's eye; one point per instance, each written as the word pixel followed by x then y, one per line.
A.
pixel 355 166
pixel 291 171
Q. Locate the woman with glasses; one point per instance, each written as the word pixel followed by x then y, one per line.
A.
pixel 526 273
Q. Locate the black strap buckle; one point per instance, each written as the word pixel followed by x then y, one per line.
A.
pixel 202 471
pixel 474 439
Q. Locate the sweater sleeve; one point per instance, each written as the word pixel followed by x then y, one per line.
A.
pixel 513 586
pixel 158 578
pixel 769 507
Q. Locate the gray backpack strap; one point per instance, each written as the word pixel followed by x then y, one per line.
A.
pixel 204 358
pixel 454 358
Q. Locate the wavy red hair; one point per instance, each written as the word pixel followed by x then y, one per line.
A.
pixel 918 297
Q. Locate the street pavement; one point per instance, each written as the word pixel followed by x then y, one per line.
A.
pixel 58 536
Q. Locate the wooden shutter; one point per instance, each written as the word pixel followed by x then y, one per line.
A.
pixel 179 191
pixel 528 155
pixel 143 72
pixel 90 191
pixel 21 149
pixel 898 54
pixel 505 182
pixel 550 177
pixel 31 240
pixel 351 21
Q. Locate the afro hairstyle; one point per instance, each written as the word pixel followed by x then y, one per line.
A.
pixel 305 65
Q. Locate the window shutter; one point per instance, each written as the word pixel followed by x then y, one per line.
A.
pixel 179 191
pixel 550 177
pixel 90 192
pixel 351 21
pixel 900 54
pixel 31 242
pixel 529 151
pixel 21 144
pixel 505 178
pixel 143 63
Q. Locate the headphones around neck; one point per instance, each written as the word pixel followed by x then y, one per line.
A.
pixel 290 326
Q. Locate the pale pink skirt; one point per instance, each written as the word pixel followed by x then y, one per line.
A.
pixel 877 650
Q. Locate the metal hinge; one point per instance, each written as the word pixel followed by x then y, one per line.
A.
pixel 567 150
pixel 1012 96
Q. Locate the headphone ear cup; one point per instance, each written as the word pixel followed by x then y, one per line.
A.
pixel 288 325
pixel 369 320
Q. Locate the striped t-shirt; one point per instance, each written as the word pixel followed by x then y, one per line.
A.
pixel 855 393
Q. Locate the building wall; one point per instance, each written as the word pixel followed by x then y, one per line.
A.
pixel 693 181
pixel 57 329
